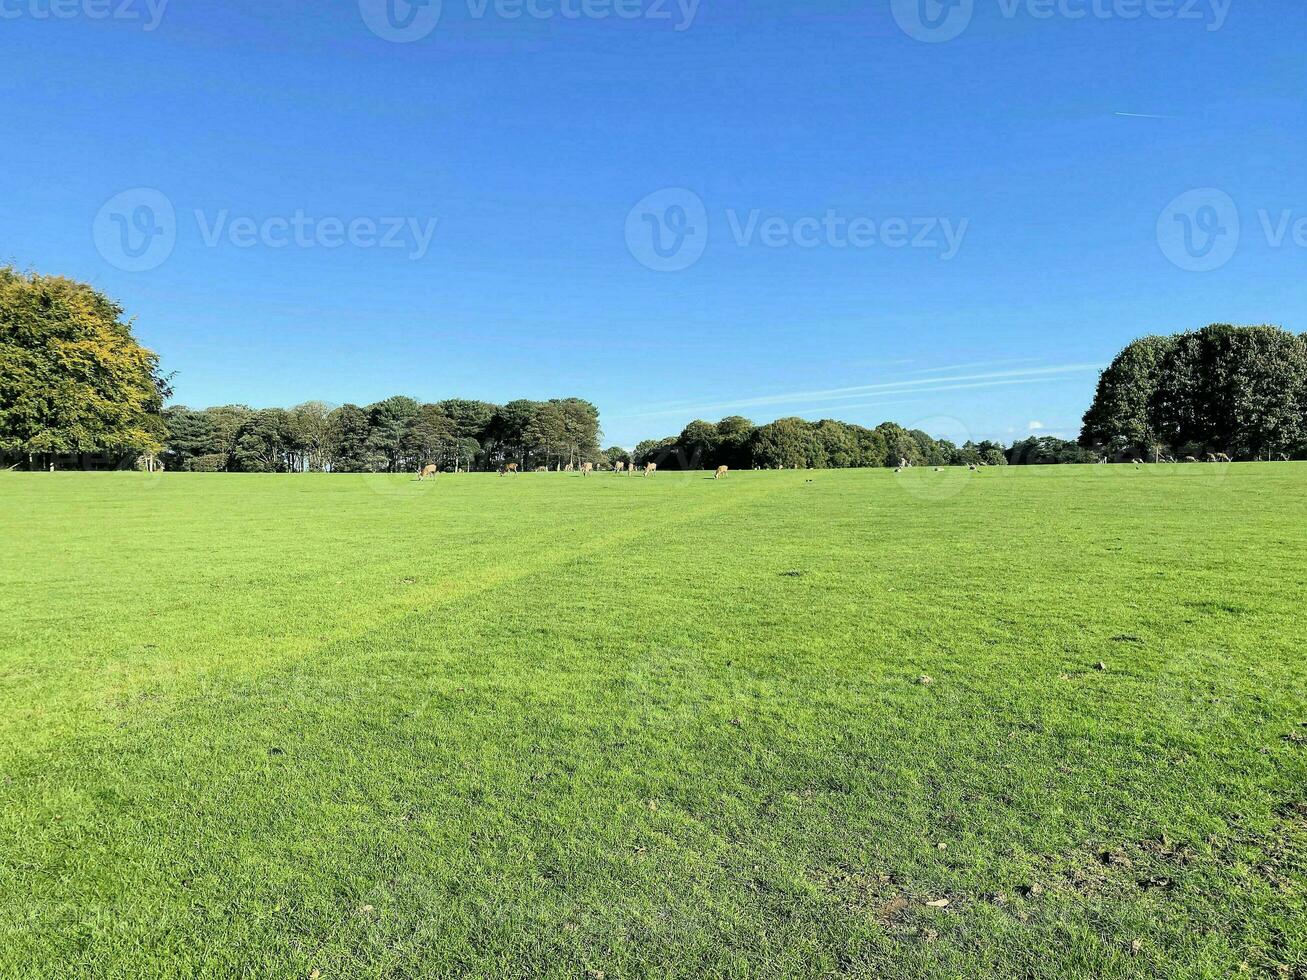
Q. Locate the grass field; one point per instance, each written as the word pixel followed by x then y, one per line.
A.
pixel 349 726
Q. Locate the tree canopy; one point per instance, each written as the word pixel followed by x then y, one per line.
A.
pixel 1237 390
pixel 73 379
pixel 395 435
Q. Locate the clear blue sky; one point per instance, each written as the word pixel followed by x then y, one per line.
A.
pixel 1060 140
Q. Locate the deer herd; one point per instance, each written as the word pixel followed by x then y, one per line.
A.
pixel 431 471
pixel 585 469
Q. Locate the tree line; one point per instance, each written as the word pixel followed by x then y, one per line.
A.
pixel 1241 391
pixel 395 435
pixel 795 443
pixel 78 390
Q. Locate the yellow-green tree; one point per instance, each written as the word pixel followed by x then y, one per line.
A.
pixel 73 380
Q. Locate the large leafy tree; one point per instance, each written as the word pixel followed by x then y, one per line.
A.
pixel 1124 417
pixel 700 445
pixel 431 437
pixel 191 435
pixel 264 443
pixel 310 435
pixel 73 379
pixel 1224 388
pixel 388 443
pixel 349 439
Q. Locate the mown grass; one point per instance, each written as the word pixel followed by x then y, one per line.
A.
pixel 340 726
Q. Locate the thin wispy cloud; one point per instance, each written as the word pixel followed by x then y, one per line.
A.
pixel 973 365
pixel 1141 115
pixel 920 386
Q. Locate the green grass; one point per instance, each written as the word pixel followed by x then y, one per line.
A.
pixel 263 726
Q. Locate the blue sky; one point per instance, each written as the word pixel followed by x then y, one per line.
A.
pixel 1020 192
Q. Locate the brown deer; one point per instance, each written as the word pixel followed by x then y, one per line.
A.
pixel 428 471
pixel 721 472
pixel 542 469
pixel 650 469
pixel 587 468
pixel 508 468
pixel 619 466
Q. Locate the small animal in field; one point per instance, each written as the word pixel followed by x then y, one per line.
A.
pixel 587 468
pixel 428 471
pixel 508 468
pixel 721 472
pixel 619 466
pixel 1283 457
pixel 542 469
pixel 1222 458
pixel 650 469
pixel 569 468
pixel 1190 459
pixel 1136 461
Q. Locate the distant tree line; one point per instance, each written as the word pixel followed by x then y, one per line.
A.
pixel 395 435
pixel 795 443
pixel 1223 389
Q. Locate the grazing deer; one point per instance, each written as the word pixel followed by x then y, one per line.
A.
pixel 542 469
pixel 428 471
pixel 650 469
pixel 1222 458
pixel 619 466
pixel 508 468
pixel 587 468
pixel 721 472
pixel 1190 459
